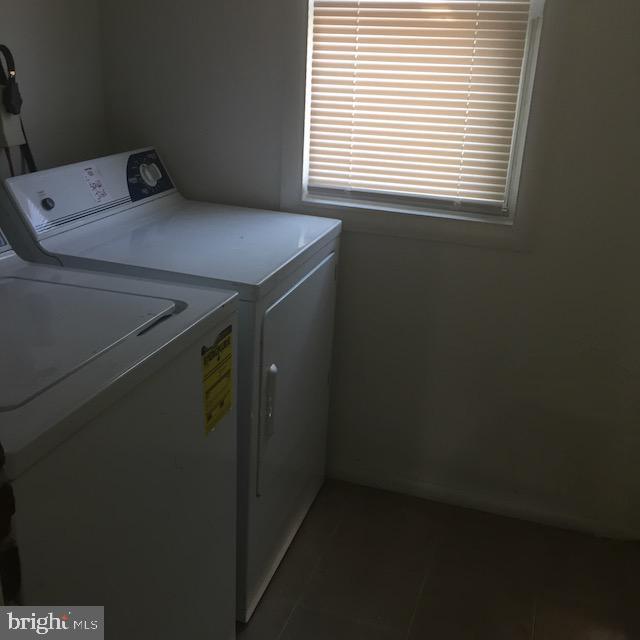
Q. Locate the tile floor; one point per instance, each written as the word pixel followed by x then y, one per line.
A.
pixel 372 565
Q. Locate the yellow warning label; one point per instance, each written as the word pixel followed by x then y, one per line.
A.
pixel 217 379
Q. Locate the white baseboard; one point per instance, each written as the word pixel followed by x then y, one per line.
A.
pixel 512 506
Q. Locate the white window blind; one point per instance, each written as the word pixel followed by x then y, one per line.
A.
pixel 415 99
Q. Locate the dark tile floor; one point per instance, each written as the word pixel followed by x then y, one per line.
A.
pixel 372 565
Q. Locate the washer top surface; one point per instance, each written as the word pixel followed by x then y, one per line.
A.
pixel 51 329
pixel 244 249
pixel 122 213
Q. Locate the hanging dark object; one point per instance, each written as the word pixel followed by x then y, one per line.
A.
pixel 11 98
pixel 12 131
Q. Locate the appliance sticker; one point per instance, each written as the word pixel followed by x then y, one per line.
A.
pixel 217 379
pixel 96 186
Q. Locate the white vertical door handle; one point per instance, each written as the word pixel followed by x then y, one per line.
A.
pixel 272 376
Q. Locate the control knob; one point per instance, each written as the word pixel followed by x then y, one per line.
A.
pixel 150 173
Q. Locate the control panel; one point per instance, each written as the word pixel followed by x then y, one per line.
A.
pixel 57 199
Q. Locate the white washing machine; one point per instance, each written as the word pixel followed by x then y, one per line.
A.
pixel 122 462
pixel 122 214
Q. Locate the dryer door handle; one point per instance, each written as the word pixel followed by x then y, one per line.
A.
pixel 268 426
pixel 270 401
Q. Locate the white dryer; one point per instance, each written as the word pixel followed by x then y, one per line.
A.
pixel 122 462
pixel 122 214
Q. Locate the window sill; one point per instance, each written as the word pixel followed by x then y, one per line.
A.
pixel 408 209
pixel 397 220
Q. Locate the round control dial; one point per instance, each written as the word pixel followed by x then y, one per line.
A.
pixel 150 173
pixel 146 176
pixel 48 203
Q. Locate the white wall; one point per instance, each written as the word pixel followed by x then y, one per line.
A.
pixel 505 379
pixel 199 80
pixel 56 46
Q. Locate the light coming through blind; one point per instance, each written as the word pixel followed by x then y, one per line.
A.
pixel 414 99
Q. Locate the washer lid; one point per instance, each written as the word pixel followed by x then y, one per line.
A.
pixel 48 330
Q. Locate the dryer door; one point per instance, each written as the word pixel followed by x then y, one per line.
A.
pixel 297 336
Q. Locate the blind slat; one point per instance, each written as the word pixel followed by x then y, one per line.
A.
pixel 419 61
pixel 431 143
pixel 429 102
pixel 410 188
pixel 408 159
pixel 446 51
pixel 455 188
pixel 403 87
pixel 388 133
pixel 392 117
pixel 408 172
pixel 383 109
pixel 393 127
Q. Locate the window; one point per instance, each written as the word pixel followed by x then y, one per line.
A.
pixel 419 104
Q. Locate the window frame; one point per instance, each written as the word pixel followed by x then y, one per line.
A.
pixel 432 207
